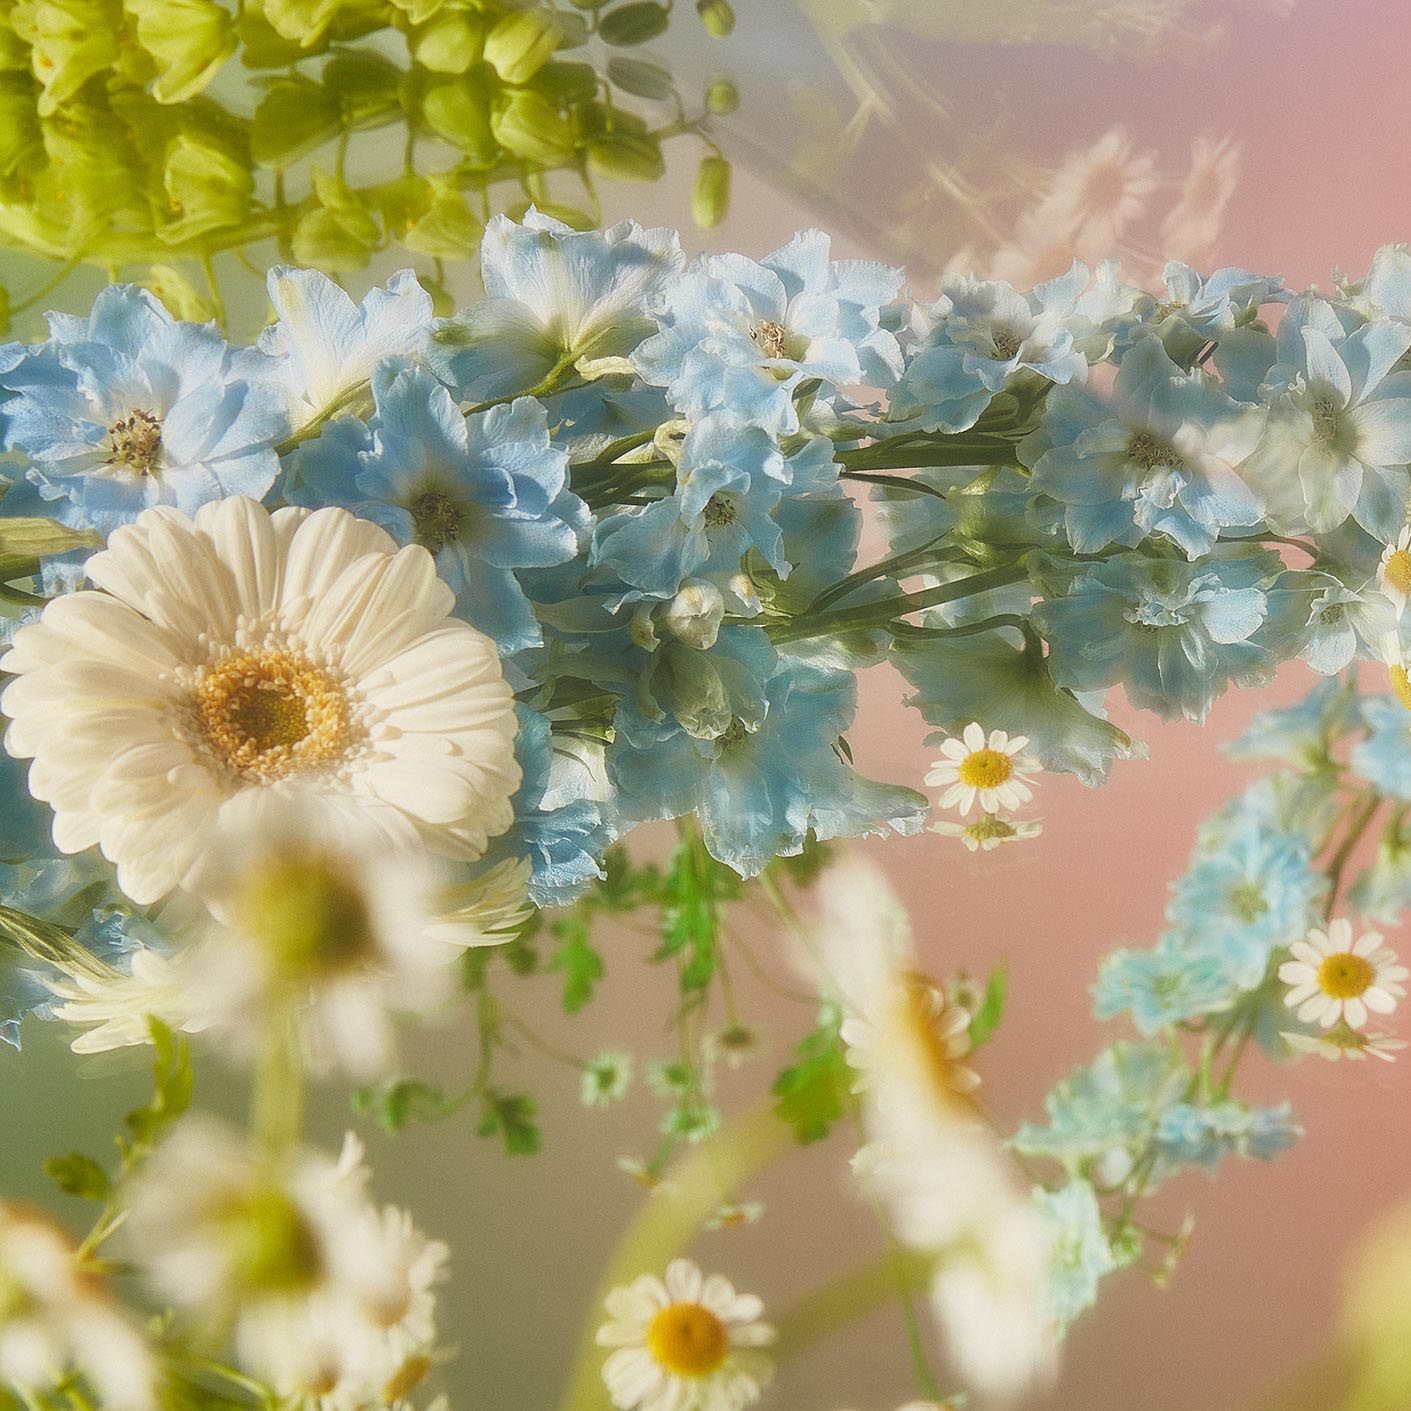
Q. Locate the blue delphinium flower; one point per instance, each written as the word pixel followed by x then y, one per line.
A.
pixel 326 346
pixel 1245 898
pixel 982 333
pixel 1384 757
pixel 486 494
pixel 742 336
pixel 1188 1135
pixel 1301 734
pixel 1385 290
pixel 1081 1252
pixel 1159 457
pixel 1174 634
pixel 1169 984
pixel 128 408
pixel 759 786
pixel 563 831
pixel 1338 436
pixel 554 296
pixel 730 481
pixel 1101 1116
pixel 1317 617
pixel 1200 309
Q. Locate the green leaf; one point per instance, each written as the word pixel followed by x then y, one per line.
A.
pixel 512 1117
pixel 77 1174
pixel 399 1101
pixel 27 538
pixel 816 1091
pixel 582 966
pixel 172 1079
pixel 986 1018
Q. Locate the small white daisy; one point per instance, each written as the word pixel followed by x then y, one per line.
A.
pixel 1346 1043
pixel 606 1079
pixel 1333 977
pixel 1394 571
pixel 685 1343
pixel 992 771
pixel 988 831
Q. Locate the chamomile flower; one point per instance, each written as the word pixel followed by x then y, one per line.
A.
pixel 606 1079
pixel 684 1343
pixel 991 770
pixel 244 656
pixel 988 831
pixel 1346 1043
pixel 1394 571
pixel 734 1215
pixel 1333 977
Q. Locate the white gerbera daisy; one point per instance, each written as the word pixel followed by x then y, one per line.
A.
pixel 56 1319
pixel 988 831
pixel 248 655
pixel 1333 977
pixel 687 1343
pixel 992 770
pixel 1394 571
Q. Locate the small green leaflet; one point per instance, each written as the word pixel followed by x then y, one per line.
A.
pixel 986 1018
pixel 817 1090
pixel 582 966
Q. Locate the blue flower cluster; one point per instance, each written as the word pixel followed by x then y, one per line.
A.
pixel 634 472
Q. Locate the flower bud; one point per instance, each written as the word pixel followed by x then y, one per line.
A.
pixel 722 98
pixel 625 156
pixel 718 17
pixel 710 197
pixel 459 111
pixel 634 24
pixel 527 124
pixel 520 44
pixel 694 615
pixel 449 43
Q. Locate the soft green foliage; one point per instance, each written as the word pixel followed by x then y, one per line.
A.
pixel 987 1016
pixel 815 1092
pixel 581 964
pixel 511 1116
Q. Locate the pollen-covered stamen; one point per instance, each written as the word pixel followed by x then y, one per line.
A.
pixel 719 510
pixel 1006 343
pixel 272 713
pixel 1345 975
pixel 135 443
pixel 1150 451
pixel 985 769
pixel 1327 419
pixel 437 520
pixel 1397 570
pixel 771 337
pixel 687 1339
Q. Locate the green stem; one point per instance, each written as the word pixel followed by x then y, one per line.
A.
pixel 1338 862
pixel 668 1221
pixel 277 1115
pixel 883 455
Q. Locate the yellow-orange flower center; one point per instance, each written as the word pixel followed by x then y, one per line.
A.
pixel 1345 976
pixel 272 713
pixel 687 1339
pixel 1400 685
pixel 922 1010
pixel 985 769
pixel 1397 570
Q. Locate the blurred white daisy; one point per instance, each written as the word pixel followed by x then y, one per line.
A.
pixel 1394 570
pixel 1345 1043
pixel 246 656
pixel 992 770
pixel 988 831
pixel 685 1343
pixel 56 1319
pixel 1333 977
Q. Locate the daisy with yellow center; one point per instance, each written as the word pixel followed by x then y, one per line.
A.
pixel 1332 977
pixel 1346 1043
pixel 244 656
pixel 1394 571
pixel 989 831
pixel 989 770
pixel 684 1343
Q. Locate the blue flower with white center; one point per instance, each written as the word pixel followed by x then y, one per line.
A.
pixel 984 332
pixel 554 297
pixel 485 494
pixel 1169 984
pixel 1204 1136
pixel 128 408
pixel 742 336
pixel 328 347
pixel 1338 436
pixel 1254 893
pixel 1100 1117
pixel 1174 634
pixel 1200 309
pixel 1081 1254
pixel 1314 616
pixel 563 830
pixel 1384 757
pixel 1159 457
pixel 759 787
pixel 729 483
